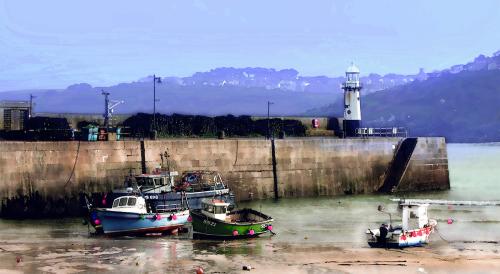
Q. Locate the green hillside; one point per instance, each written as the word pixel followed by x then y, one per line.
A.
pixel 463 107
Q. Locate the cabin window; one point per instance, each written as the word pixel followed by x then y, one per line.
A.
pixel 220 210
pixel 115 202
pixel 123 201
pixel 158 182
pixel 131 201
pixel 208 208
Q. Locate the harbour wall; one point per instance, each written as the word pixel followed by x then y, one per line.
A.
pixel 40 178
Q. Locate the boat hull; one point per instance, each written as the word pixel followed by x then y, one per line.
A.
pixel 207 227
pixel 411 238
pixel 126 223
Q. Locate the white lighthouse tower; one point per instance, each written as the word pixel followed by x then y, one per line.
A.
pixel 352 108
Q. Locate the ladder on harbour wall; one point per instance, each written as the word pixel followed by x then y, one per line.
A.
pixel 394 173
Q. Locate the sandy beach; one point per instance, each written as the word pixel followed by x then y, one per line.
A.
pixel 230 257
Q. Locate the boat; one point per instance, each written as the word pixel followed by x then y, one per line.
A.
pixel 129 215
pixel 415 229
pixel 214 220
pixel 160 188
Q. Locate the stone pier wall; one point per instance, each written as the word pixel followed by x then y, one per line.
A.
pixel 58 171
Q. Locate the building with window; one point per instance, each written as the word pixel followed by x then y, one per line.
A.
pixel 14 115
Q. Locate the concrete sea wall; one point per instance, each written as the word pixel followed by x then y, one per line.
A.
pixel 46 177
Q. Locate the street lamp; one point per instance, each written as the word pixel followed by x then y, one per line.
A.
pixel 269 103
pixel 155 80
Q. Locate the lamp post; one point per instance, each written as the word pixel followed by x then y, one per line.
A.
pixel 269 103
pixel 155 80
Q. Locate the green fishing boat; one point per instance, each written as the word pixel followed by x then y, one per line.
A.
pixel 214 220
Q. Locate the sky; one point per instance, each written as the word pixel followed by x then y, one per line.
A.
pixel 56 43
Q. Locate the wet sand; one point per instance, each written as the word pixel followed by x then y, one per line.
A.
pixel 185 256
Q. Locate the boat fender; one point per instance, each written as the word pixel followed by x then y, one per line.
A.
pixel 190 219
pixel 158 216
pixel 173 217
pixel 235 232
pixel 251 232
pixel 270 227
pixel 104 199
pixel 97 222
pixel 142 217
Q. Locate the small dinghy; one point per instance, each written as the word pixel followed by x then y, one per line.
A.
pixel 415 229
pixel 214 220
pixel 129 216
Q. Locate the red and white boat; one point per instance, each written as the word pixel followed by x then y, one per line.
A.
pixel 415 229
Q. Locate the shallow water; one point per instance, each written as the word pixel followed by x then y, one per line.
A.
pixel 327 222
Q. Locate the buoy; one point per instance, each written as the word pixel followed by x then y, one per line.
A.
pixel 270 227
pixel 450 221
pixel 247 267
pixel 251 232
pixel 97 222
pixel 18 259
pixel 199 270
pixel 235 232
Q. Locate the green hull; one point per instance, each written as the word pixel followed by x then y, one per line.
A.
pixel 207 227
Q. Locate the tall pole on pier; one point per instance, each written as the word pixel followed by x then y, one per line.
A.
pixel 106 109
pixel 155 79
pixel 30 114
pixel 269 103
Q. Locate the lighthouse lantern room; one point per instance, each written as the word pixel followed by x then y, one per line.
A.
pixel 352 108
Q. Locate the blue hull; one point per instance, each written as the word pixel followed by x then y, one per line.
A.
pixel 125 223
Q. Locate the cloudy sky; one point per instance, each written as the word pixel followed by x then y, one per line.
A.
pixel 55 43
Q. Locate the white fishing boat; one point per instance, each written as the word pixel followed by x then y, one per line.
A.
pixel 129 216
pixel 414 230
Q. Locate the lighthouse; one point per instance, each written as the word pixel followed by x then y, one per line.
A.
pixel 352 108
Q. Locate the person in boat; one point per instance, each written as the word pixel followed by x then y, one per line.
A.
pixel 382 238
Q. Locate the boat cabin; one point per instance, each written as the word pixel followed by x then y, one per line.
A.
pixel 155 183
pixel 214 208
pixel 414 215
pixel 131 204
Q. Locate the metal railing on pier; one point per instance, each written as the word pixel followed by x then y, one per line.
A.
pixel 382 132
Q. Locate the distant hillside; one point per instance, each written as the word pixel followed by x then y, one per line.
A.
pixel 463 107
pixel 203 100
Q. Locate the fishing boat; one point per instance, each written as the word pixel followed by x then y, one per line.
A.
pixel 129 215
pixel 214 220
pixel 415 229
pixel 161 189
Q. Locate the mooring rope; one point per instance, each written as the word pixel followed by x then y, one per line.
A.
pixel 74 165
pixel 441 236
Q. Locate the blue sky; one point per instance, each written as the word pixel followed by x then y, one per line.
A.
pixel 55 43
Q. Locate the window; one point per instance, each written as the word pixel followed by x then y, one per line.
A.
pixel 115 202
pixel 123 201
pixel 131 201
pixel 220 210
